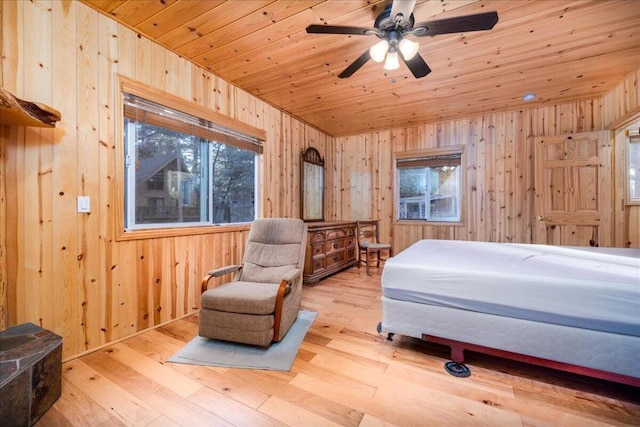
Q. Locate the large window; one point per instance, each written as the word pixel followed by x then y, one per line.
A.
pixel 182 170
pixel 429 185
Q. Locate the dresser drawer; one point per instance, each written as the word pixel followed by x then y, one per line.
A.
pixel 317 249
pixel 318 264
pixel 350 242
pixel 335 258
pixel 337 233
pixel 317 236
pixel 334 245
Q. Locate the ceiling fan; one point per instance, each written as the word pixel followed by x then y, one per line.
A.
pixel 392 27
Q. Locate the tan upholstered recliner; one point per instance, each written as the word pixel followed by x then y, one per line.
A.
pixel 263 300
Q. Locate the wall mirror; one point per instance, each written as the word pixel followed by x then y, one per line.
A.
pixel 312 185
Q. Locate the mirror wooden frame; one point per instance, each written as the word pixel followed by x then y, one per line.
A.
pixel 311 185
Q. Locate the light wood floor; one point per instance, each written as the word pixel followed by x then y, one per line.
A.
pixel 345 374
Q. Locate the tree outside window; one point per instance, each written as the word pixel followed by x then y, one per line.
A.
pixel 178 172
pixel 429 187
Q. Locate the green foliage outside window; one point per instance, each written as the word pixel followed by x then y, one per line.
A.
pixel 175 177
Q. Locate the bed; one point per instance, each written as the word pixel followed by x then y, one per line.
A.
pixel 570 308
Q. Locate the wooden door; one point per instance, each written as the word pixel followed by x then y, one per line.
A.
pixel 574 190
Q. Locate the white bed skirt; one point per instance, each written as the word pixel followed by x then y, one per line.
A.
pixel 603 351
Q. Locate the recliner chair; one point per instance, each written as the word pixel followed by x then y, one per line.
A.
pixel 261 302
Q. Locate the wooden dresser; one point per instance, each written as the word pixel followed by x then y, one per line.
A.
pixel 331 247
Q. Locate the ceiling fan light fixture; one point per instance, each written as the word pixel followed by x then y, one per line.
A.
pixel 408 48
pixel 379 50
pixel 392 62
pixel 395 23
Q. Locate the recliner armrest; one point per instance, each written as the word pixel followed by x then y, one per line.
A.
pixel 217 272
pixel 291 275
pixel 283 289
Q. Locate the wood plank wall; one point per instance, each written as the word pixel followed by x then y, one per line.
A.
pixel 499 169
pixel 622 102
pixel 64 270
pixel 626 216
pixel 622 113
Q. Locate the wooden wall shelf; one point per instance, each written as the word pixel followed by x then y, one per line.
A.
pixel 16 112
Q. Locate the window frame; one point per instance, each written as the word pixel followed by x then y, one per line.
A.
pixel 430 153
pixel 632 137
pixel 126 85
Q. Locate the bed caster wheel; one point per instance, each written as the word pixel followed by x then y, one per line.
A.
pixel 379 329
pixel 457 369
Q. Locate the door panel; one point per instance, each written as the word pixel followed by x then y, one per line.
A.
pixel 556 183
pixel 571 235
pixel 574 190
pixel 586 193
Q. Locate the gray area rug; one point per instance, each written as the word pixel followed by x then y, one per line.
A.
pixel 278 357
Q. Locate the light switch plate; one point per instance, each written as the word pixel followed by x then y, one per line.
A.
pixel 84 204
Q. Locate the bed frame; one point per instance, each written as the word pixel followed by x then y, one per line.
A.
pixel 604 355
pixel 457 356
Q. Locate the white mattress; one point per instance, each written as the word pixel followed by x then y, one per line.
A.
pixel 591 288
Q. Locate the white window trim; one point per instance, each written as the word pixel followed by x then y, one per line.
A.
pixel 633 137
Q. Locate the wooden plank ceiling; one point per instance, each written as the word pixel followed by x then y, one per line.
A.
pixel 561 50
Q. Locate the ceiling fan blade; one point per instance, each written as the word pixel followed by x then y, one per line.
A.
pixel 404 7
pixel 337 29
pixel 355 65
pixel 418 67
pixel 458 24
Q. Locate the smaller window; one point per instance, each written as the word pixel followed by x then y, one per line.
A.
pixel 633 169
pixel 429 186
pixel 156 182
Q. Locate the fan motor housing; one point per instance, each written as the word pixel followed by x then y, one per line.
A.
pixel 385 22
